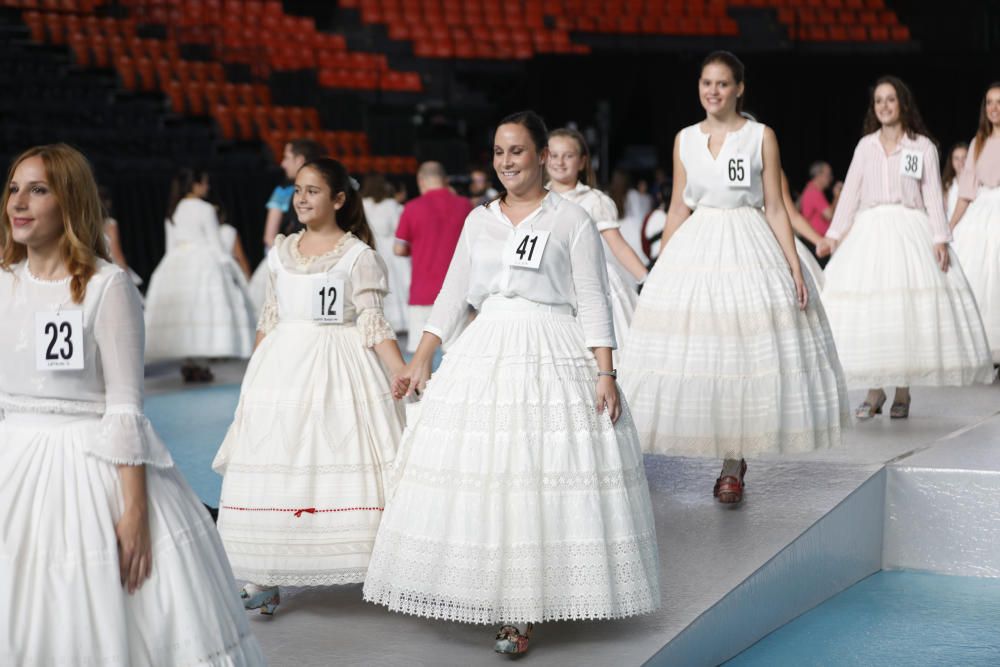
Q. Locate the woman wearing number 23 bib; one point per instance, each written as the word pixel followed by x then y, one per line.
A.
pixel 900 306
pixel 521 495
pixel 730 353
pixel 106 555
pixel 316 428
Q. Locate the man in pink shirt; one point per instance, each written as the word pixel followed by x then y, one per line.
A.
pixel 813 204
pixel 428 233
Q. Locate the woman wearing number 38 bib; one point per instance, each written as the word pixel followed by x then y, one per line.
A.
pixel 521 495
pixel 106 555
pixel 730 353
pixel 316 427
pixel 901 309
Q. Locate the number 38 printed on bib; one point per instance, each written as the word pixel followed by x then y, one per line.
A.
pixel 59 340
pixel 911 164
pixel 737 171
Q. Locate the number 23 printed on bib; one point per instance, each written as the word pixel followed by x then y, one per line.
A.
pixel 525 249
pixel 737 171
pixel 59 340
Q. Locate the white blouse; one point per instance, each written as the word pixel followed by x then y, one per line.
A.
pixel 110 383
pixel 194 222
pixel 708 182
pixel 598 205
pixel 383 218
pixel 572 270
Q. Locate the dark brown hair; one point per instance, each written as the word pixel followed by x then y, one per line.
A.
pixel 588 170
pixel 618 189
pixel 307 149
pixel 69 176
pixel 947 169
pixel 351 216
pixel 374 187
pixel 985 128
pixel 909 114
pixel 183 183
pixel 735 66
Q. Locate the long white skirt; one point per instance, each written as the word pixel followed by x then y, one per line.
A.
pixel 977 244
pixel 517 501
pixel 809 264
pixel 624 297
pixel 897 319
pixel 257 287
pixel 720 361
pixel 59 578
pixel 315 431
pixel 197 306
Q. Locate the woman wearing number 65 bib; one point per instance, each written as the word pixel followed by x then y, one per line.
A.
pixel 316 427
pixel 901 309
pixel 521 495
pixel 730 354
pixel 106 555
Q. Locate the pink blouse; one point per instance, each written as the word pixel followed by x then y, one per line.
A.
pixel 874 179
pixel 984 172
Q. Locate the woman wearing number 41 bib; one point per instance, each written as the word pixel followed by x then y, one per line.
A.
pixel 106 555
pixel 901 309
pixel 521 494
pixel 730 353
pixel 316 427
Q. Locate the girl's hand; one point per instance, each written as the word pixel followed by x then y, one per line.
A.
pixel 135 549
pixel 414 378
pixel 607 397
pixel 801 293
pixel 941 255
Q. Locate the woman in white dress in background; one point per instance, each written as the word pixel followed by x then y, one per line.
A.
pixel 901 309
pixel 106 555
pixel 976 219
pixel 729 354
pixel 949 176
pixel 572 177
pixel 197 306
pixel 382 212
pixel 522 495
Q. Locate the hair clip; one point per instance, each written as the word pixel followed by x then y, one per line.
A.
pixel 354 183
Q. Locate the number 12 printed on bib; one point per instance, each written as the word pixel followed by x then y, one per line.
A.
pixel 59 340
pixel 525 249
pixel 328 300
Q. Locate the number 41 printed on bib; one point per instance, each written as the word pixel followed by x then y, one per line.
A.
pixel 525 249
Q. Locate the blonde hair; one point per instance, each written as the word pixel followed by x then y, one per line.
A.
pixel 586 174
pixel 69 176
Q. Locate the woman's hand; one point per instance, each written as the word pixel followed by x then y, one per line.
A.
pixel 412 380
pixel 825 247
pixel 135 549
pixel 801 293
pixel 941 255
pixel 607 397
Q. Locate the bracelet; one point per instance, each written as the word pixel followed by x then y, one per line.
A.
pixel 611 374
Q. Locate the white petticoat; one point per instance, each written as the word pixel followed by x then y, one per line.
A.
pixel 314 434
pixel 897 318
pixel 516 500
pixel 977 244
pixel 197 306
pixel 720 361
pixel 59 578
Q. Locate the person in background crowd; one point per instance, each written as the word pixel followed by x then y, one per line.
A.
pixel 428 232
pixel 112 234
pixel 814 205
pixel 949 176
pixel 633 207
pixel 383 213
pixel 481 190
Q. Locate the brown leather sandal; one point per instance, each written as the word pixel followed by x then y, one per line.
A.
pixel 729 488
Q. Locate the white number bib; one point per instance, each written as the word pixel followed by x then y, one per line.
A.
pixel 738 171
pixel 327 300
pixel 59 340
pixel 525 249
pixel 912 164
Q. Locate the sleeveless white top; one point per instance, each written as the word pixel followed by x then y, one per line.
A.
pixel 707 181
pixel 293 291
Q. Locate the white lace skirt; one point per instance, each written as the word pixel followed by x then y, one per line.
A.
pixel 977 244
pixel 516 501
pixel 897 318
pixel 61 597
pixel 720 361
pixel 315 432
pixel 197 306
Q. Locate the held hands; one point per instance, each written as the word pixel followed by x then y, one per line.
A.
pixel 825 247
pixel 411 379
pixel 941 255
pixel 607 397
pixel 135 549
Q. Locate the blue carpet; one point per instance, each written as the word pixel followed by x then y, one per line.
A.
pixel 891 619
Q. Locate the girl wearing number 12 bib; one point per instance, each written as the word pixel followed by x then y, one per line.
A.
pixel 521 496
pixel 729 354
pixel 900 306
pixel 316 428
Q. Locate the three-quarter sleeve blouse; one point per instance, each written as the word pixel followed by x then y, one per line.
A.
pixel 874 178
pixel 572 270
pixel 111 381
pixel 598 205
pixel 981 172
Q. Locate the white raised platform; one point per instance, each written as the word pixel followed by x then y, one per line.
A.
pixel 810 526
